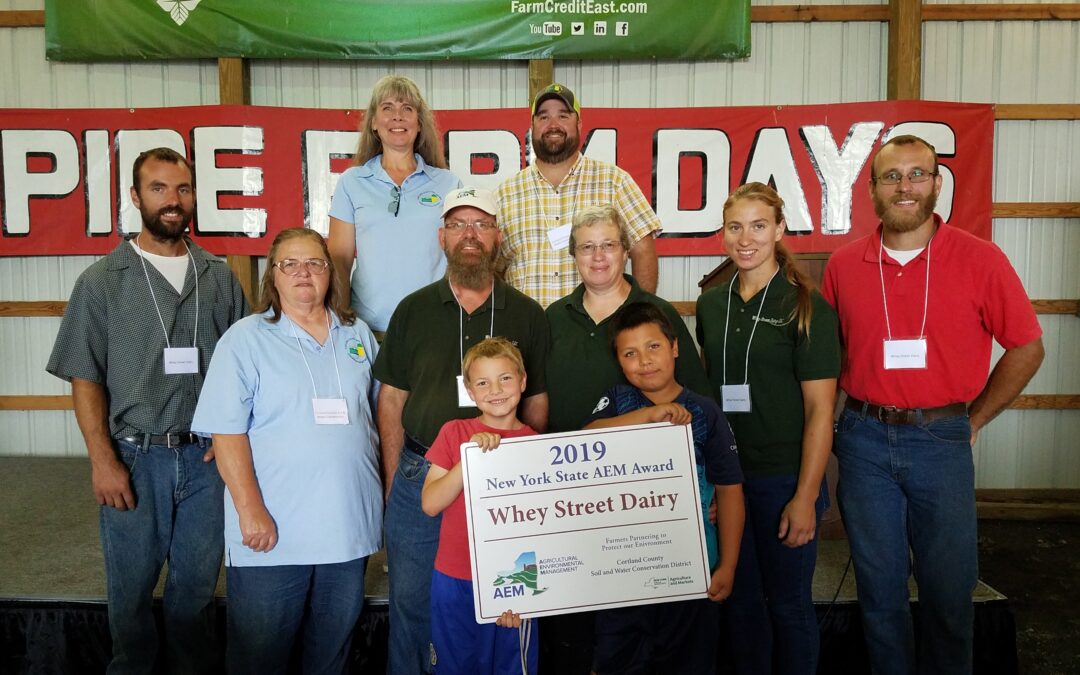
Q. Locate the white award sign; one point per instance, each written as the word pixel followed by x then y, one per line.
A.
pixel 585 520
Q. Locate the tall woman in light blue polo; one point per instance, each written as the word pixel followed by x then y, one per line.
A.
pixel 387 209
pixel 772 353
pixel 288 399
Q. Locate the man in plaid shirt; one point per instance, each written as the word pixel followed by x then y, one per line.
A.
pixel 537 205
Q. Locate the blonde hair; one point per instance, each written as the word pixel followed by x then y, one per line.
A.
pixel 492 348
pixel 337 293
pixel 803 310
pixel 427 143
pixel 600 214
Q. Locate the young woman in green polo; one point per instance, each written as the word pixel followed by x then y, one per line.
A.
pixel 772 353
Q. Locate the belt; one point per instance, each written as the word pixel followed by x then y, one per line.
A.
pixel 413 445
pixel 890 415
pixel 173 440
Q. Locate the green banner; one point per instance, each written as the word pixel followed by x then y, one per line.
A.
pixel 95 30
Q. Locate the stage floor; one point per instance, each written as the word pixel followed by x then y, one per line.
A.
pixel 50 550
pixel 53 611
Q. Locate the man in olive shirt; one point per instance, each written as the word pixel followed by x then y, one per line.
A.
pixel 135 342
pixel 419 367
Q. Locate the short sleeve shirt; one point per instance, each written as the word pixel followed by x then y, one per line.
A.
pixel 529 206
pixel 397 242
pixel 320 482
pixel 781 358
pixel 582 365
pixel 428 334
pixel 714 445
pixel 111 335
pixel 453 557
pixel 975 297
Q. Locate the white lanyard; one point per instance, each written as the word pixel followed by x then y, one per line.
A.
pixel 540 181
pixel 464 399
pixel 558 235
pixel 460 320
pixel 333 353
pixel 757 320
pixel 885 300
pixel 153 296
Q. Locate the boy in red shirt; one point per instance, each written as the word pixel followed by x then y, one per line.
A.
pixel 494 374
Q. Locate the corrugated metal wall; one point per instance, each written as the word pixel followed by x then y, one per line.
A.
pixel 798 63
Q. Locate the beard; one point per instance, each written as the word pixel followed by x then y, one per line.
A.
pixel 901 223
pixel 161 230
pixel 554 148
pixel 471 271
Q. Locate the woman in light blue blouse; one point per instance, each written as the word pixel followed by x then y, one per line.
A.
pixel 386 209
pixel 288 399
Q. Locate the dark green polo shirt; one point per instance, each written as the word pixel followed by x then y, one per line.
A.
pixel 582 366
pixel 770 435
pixel 422 355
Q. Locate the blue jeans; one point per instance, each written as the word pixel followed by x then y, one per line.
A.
pixel 412 539
pixel 177 518
pixel 269 607
pixel 907 494
pixel 771 618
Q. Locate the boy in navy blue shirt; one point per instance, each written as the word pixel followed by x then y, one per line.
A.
pixel 674 637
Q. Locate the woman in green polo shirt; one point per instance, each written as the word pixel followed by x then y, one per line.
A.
pixel 581 366
pixel 772 354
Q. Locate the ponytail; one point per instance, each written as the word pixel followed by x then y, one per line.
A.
pixel 803 310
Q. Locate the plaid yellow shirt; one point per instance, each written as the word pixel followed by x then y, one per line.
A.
pixel 529 206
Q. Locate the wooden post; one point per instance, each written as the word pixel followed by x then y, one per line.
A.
pixel 541 74
pixel 905 50
pixel 234 88
pixel 234 82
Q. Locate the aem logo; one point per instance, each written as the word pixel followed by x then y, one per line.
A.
pixel 515 591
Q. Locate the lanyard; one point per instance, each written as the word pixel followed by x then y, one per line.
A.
pixel 757 320
pixel 333 353
pixel 885 300
pixel 461 312
pixel 540 180
pixel 153 296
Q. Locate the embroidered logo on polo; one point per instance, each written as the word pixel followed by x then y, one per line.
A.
pixel 429 199
pixel 356 350
pixel 179 10
pixel 774 322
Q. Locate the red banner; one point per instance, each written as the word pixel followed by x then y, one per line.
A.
pixel 66 174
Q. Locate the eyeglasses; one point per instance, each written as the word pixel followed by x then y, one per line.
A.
pixel 894 177
pixel 395 200
pixel 479 226
pixel 591 247
pixel 291 266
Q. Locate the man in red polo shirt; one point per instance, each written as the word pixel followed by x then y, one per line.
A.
pixel 920 303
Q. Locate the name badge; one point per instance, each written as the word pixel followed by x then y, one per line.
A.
pixel 559 237
pixel 463 398
pixel 905 354
pixel 330 410
pixel 181 360
pixel 735 397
